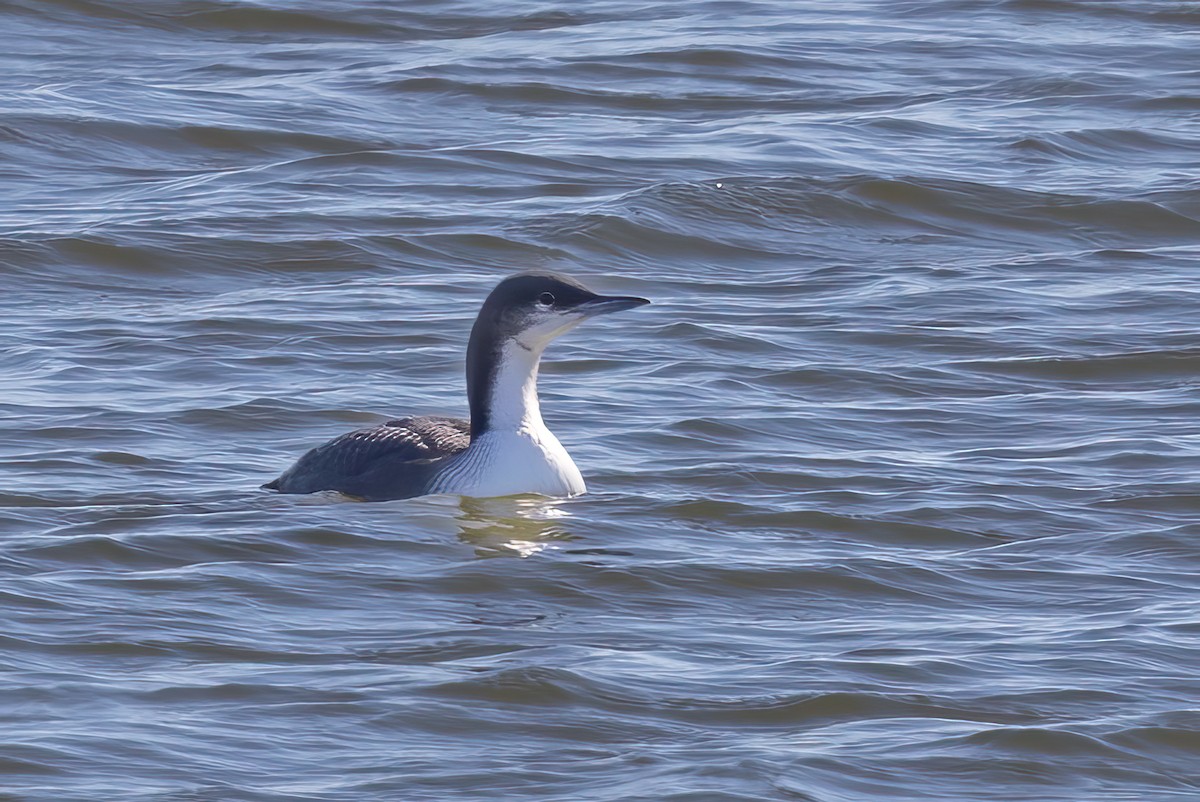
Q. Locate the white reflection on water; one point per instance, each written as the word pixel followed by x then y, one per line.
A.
pixel 519 526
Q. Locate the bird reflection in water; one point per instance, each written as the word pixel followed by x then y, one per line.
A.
pixel 513 526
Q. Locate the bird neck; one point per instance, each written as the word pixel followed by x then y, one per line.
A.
pixel 502 386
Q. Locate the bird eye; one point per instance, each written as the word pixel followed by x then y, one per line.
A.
pixel 546 299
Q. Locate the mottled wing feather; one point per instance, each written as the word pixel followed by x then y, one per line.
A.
pixel 392 460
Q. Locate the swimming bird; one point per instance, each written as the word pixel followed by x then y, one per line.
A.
pixel 505 448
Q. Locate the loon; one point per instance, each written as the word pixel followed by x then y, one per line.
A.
pixel 505 448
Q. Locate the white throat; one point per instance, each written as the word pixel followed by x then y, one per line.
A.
pixel 517 453
pixel 513 401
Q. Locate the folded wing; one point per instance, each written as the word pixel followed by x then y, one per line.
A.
pixel 396 459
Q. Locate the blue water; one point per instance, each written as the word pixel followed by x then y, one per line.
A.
pixel 892 489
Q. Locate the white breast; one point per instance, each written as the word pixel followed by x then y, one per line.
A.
pixel 505 463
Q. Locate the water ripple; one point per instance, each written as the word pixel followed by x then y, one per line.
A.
pixel 891 487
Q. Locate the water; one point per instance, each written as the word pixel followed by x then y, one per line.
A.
pixel 893 489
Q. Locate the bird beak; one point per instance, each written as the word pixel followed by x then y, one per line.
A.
pixel 604 304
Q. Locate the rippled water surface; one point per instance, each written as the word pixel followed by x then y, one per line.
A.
pixel 893 488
